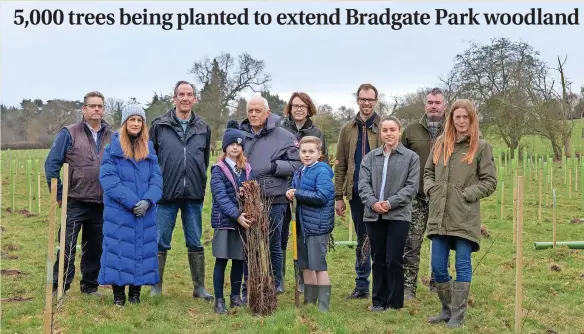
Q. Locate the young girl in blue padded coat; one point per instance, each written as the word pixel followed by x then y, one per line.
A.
pixel 229 223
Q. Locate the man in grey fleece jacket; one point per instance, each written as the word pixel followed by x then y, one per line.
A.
pixel 273 155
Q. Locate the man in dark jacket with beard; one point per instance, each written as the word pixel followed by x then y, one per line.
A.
pixel 274 157
pixel 420 137
pixel 182 142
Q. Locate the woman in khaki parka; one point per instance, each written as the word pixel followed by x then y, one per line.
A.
pixel 459 172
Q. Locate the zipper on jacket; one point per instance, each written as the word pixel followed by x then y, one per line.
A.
pixel 185 159
pixel 364 135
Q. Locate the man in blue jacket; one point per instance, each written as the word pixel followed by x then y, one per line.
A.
pixel 182 142
pixel 273 154
pixel 81 146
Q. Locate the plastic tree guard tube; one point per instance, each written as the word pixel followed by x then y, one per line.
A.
pixel 549 244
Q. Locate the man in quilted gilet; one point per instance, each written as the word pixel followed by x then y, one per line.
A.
pixel 81 145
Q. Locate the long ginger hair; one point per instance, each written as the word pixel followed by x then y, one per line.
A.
pixel 241 160
pixel 445 143
pixel 138 150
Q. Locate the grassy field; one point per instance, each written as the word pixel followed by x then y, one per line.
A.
pixel 553 279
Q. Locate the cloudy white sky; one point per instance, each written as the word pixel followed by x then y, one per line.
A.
pixel 328 62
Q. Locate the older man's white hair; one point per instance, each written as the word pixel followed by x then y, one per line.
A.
pixel 257 97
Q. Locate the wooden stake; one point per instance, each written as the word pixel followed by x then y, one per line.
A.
pixel 565 169
pixel 29 180
pixel 582 182
pixel 554 219
pixel 502 197
pixel 546 183
pixel 519 260
pixel 514 207
pixel 14 170
pixel 38 168
pixel 576 175
pixel 570 184
pixel 63 229
pixel 540 196
pixel 48 315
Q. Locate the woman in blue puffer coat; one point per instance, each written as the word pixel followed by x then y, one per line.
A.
pixel 132 183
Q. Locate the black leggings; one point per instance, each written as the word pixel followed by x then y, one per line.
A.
pixel 236 276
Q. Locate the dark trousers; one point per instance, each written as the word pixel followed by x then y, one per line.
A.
pixel 286 228
pixel 277 213
pixel 236 276
pixel 88 216
pixel 414 244
pixel 362 267
pixel 120 290
pixel 387 239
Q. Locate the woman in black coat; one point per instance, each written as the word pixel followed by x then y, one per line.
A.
pixel 297 120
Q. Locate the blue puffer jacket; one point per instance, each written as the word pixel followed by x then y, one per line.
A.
pixel 129 242
pixel 315 198
pixel 225 209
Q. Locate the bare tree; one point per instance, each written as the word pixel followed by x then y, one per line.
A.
pixel 113 110
pixel 410 107
pixel 450 88
pixel 239 75
pixel 324 109
pixel 223 78
pixel 553 110
pixel 499 77
pixel 345 114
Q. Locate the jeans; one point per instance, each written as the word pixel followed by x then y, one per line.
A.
pixel 387 239
pixel 362 268
pixel 441 245
pixel 277 212
pixel 192 222
pixel 88 216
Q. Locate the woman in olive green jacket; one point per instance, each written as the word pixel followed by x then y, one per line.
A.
pixel 459 172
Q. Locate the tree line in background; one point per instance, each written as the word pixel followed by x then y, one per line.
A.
pixel 516 94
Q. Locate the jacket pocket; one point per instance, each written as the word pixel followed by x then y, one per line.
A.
pixel 369 214
pixel 273 186
pixel 437 198
pixel 459 208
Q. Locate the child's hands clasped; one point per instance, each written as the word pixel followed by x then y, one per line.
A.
pixel 290 194
pixel 244 222
pixel 380 208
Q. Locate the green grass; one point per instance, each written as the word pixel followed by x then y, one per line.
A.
pixel 552 299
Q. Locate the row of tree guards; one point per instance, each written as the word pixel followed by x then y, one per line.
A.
pixel 539 171
pixel 31 169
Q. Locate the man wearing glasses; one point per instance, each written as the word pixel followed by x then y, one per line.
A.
pixel 357 138
pixel 81 145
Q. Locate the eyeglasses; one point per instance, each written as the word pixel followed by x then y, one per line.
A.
pixel 299 107
pixel 91 106
pixel 362 100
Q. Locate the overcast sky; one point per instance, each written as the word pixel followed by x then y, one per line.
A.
pixel 327 62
